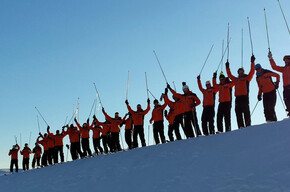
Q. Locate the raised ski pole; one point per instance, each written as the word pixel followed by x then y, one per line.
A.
pixel 284 16
pixel 74 113
pixel 98 95
pixel 266 23
pixel 29 138
pixel 174 86
pixel 228 42
pixel 78 108
pixel 128 85
pixel 206 59
pixel 160 66
pixel 242 49
pixel 92 107
pixel 15 139
pixel 223 56
pixel 65 120
pixel 147 85
pixel 250 35
pixel 41 115
pixel 151 94
pixel 38 123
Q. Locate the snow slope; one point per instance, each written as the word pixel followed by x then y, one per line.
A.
pixel 255 159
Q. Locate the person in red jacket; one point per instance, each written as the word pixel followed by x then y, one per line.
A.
pixel 43 142
pixel 105 133
pixel 138 120
pixel 50 145
pixel 208 112
pixel 96 138
pixel 189 101
pixel 37 155
pixel 128 129
pixel 84 130
pixel 268 88
pixel 58 145
pixel 14 157
pixel 225 101
pixel 171 117
pixel 115 130
pixel 25 152
pixel 157 117
pixel 242 82
pixel 286 78
pixel 74 137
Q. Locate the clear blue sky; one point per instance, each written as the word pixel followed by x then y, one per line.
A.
pixel 52 51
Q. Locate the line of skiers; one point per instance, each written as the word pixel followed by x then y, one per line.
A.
pixel 182 112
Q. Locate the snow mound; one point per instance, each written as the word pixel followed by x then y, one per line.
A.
pixel 256 159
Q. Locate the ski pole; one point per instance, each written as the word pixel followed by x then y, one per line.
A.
pixel 250 35
pixel 160 66
pixel 29 138
pixel 151 94
pixel 147 85
pixel 15 139
pixel 127 85
pixel 78 110
pixel 228 37
pixel 223 56
pixel 98 95
pixel 284 17
pixel 41 115
pixel 266 23
pixel 38 123
pixel 282 101
pixel 206 59
pixel 254 108
pixel 174 86
pixel 65 120
pixel 74 113
pixel 92 107
pixel 242 51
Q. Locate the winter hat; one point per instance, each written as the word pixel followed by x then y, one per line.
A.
pixel 222 76
pixel 155 101
pixel 286 57
pixel 207 82
pixel 257 66
pixel 240 69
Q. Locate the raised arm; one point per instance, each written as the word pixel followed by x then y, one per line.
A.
pixel 128 107
pixel 148 107
pixel 230 75
pixel 199 84
pixel 252 71
pixel 78 125
pixel 273 63
pixel 107 116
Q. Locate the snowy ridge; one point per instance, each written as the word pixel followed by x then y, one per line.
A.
pixel 256 159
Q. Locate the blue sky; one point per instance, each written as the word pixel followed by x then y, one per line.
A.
pixel 52 51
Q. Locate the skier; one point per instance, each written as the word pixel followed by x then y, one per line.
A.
pixel 85 135
pixel 58 148
pixel 26 151
pixel 115 130
pixel 242 93
pixel 50 144
pixel 43 142
pixel 37 154
pixel 74 137
pixel 268 88
pixel 286 78
pixel 138 120
pixel 208 112
pixel 189 101
pixel 105 133
pixel 96 138
pixel 157 117
pixel 128 129
pixel 225 101
pixel 14 157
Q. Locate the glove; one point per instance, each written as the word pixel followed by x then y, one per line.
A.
pixel 276 84
pixel 148 101
pixel 192 105
pixel 227 64
pixel 165 113
pixel 48 127
pixel 94 117
pixel 259 97
pixel 168 86
pixel 253 58
pixel 75 119
pixel 88 120
pixel 198 77
pixel 63 127
pixel 166 91
pixel 39 134
pixel 103 110
pixel 214 75
pixel 127 102
pixel 270 56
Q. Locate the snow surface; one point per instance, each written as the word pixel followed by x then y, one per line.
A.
pixel 255 159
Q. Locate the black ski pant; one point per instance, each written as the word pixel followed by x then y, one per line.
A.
pixel 158 131
pixel 224 112
pixel 97 145
pixel 35 160
pixel 269 102
pixel 173 127
pixel 44 158
pixel 105 143
pixel 12 163
pixel 115 139
pixel 286 95
pixel 86 147
pixel 243 111
pixel 138 130
pixel 75 150
pixel 179 120
pixel 58 151
pixel 128 137
pixel 50 156
pixel 25 164
pixel 207 120
pixel 190 119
